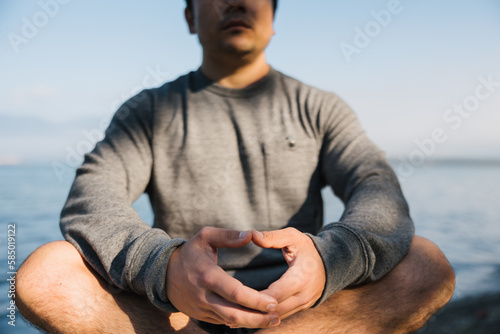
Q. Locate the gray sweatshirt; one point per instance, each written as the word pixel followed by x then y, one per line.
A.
pixel 253 158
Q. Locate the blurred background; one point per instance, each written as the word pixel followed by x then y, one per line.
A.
pixel 423 77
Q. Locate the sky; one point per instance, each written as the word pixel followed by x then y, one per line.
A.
pixel 423 76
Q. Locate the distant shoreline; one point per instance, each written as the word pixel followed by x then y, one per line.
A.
pixel 487 162
pixel 453 162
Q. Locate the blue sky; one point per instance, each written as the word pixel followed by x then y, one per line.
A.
pixel 86 57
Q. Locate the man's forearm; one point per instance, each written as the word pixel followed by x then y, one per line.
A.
pixel 375 230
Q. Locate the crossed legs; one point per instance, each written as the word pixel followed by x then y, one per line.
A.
pixel 58 292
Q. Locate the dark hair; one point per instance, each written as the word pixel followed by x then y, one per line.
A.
pixel 189 4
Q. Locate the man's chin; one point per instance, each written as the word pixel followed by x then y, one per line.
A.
pixel 236 46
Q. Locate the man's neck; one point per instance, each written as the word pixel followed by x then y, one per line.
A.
pixel 236 73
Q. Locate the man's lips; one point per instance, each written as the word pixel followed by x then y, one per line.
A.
pixel 235 24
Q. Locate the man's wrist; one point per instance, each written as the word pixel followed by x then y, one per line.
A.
pixel 343 258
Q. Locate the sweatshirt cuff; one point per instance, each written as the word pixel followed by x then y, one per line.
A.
pixel 344 256
pixel 153 257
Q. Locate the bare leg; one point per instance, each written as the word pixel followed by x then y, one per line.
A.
pixel 60 294
pixel 400 302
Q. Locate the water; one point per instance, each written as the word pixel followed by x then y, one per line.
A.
pixel 456 206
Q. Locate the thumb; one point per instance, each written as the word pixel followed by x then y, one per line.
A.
pixel 276 239
pixel 220 238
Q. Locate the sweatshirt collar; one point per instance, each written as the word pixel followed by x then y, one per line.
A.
pixel 201 82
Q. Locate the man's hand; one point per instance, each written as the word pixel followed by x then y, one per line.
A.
pixel 201 289
pixel 303 283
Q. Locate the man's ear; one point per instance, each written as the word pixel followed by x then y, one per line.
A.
pixel 188 14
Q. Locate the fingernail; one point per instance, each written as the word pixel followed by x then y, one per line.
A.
pixel 274 322
pixel 259 234
pixel 271 307
pixel 244 234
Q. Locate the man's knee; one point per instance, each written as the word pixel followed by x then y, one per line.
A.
pixel 436 278
pixel 42 271
pixel 428 279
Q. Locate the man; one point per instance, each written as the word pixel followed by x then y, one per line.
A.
pixel 233 157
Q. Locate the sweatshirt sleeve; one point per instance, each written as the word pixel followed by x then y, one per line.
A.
pixel 375 230
pixel 98 218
